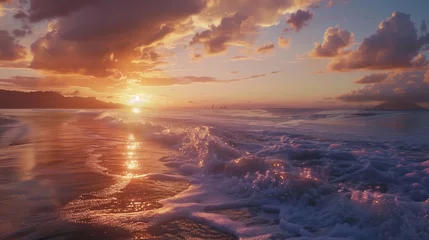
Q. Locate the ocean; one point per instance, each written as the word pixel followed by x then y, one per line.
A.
pixel 214 174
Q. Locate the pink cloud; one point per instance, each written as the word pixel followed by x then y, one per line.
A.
pixel 394 45
pixel 373 78
pixel 335 40
pixel 405 86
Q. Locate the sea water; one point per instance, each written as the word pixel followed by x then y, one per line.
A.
pixel 214 174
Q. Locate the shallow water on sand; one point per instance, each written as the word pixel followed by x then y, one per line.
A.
pixel 56 167
pixel 249 174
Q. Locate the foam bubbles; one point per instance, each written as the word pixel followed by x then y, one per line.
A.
pixel 306 186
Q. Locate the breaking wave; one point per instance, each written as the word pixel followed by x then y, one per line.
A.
pixel 301 185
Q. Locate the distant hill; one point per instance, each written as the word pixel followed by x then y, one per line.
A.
pixel 398 106
pixel 50 100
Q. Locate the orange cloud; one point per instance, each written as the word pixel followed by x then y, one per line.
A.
pixel 334 42
pixel 241 57
pixel 101 41
pixel 284 42
pixel 267 48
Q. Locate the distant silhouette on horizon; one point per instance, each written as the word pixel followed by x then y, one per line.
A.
pixel 39 99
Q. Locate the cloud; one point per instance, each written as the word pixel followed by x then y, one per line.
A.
pixel 299 19
pixel 241 57
pixel 1 7
pixel 24 31
pixel 407 86
pixel 104 38
pixel 10 50
pixel 21 15
pixel 330 3
pixel 334 42
pixel 59 83
pixel 266 48
pixel 196 57
pixel 101 37
pixel 49 9
pixel 263 12
pixel 284 42
pixel 373 78
pixel 168 81
pixel 233 30
pixel 240 22
pixel 14 64
pixel 74 93
pixel 395 45
pixel 150 56
pixel 315 5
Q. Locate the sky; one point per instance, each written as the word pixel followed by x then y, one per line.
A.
pixel 242 53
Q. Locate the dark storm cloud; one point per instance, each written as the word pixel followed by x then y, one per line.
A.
pixel 394 45
pixel 10 50
pixel 334 42
pixel 299 19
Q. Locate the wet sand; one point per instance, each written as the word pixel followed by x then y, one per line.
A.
pixel 66 167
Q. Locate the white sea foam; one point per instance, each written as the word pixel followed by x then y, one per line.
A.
pixel 306 185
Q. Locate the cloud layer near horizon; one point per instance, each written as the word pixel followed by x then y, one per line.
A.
pixel 410 86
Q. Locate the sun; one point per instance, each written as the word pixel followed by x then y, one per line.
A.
pixel 136 102
pixel 136 99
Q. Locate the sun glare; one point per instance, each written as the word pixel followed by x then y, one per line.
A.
pixel 136 110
